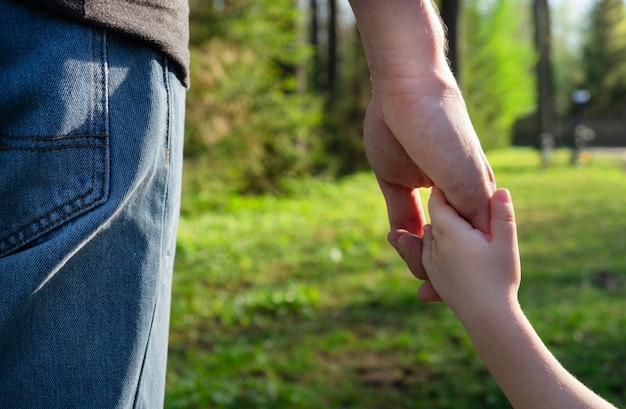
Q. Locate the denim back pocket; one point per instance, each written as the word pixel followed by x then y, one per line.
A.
pixel 54 144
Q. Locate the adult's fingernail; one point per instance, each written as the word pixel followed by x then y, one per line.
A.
pixel 393 238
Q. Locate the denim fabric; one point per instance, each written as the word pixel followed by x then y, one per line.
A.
pixel 91 130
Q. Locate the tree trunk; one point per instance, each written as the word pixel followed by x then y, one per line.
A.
pixel 315 45
pixel 450 17
pixel 545 86
pixel 332 47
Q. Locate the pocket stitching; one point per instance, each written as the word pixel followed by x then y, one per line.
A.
pixel 5 242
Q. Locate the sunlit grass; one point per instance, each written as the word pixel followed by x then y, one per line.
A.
pixel 299 302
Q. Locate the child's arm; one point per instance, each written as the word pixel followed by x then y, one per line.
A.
pixel 478 276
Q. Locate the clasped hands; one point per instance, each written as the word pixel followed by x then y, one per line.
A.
pixel 415 140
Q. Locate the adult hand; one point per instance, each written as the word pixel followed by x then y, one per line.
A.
pixel 423 137
pixel 417 129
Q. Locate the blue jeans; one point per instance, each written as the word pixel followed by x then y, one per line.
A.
pixel 91 129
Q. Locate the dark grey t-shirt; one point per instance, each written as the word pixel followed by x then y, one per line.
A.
pixel 163 24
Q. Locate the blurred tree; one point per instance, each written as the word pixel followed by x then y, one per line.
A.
pixel 545 80
pixel 344 86
pixel 246 113
pixel 280 87
pixel 566 56
pixel 332 48
pixel 345 107
pixel 497 76
pixel 314 33
pixel 450 15
pixel 325 42
pixel 604 58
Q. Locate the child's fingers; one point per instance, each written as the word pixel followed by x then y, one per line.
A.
pixel 443 216
pixel 427 244
pixel 503 216
pixel 437 205
pixel 427 292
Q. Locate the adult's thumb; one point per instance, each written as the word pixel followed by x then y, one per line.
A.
pixel 502 216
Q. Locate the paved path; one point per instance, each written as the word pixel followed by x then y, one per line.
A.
pixel 617 152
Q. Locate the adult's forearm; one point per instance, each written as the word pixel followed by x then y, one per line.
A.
pixel 417 123
pixel 402 38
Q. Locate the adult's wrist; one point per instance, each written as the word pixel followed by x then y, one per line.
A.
pixel 401 37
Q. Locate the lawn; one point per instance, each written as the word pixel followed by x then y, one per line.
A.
pixel 299 302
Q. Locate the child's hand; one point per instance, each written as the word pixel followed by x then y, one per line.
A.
pixel 472 272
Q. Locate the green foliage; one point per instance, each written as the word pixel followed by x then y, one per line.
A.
pixel 299 302
pixel 604 58
pixel 345 108
pixel 247 115
pixel 254 120
pixel 497 74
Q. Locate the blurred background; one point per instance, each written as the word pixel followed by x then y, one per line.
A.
pixel 280 87
pixel 286 294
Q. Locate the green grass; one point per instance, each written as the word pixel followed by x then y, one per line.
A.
pixel 299 302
